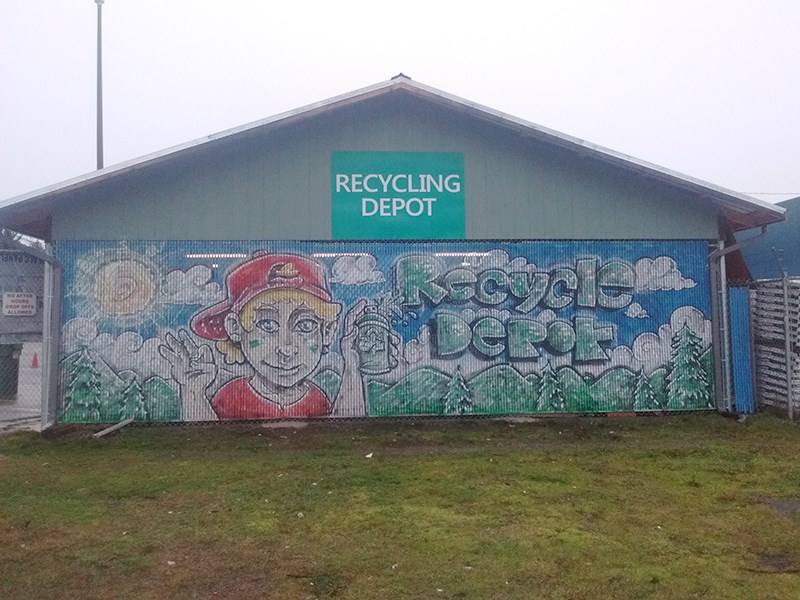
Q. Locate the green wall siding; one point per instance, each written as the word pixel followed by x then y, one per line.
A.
pixel 276 185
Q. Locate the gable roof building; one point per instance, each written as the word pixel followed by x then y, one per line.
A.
pixel 396 250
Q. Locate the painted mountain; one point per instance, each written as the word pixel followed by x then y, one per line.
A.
pixel 95 393
pixel 502 390
pixel 421 392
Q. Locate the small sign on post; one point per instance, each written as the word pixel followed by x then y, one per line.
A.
pixel 19 304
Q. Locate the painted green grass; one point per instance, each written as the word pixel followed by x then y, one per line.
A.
pixel 676 507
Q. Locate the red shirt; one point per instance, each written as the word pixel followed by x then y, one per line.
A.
pixel 238 400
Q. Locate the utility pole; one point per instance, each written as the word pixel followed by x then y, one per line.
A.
pixel 99 83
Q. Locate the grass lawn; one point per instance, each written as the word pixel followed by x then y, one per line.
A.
pixel 695 506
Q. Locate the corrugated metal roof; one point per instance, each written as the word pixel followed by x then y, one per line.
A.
pixel 742 211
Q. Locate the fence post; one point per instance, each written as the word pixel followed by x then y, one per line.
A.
pixel 50 339
pixel 787 346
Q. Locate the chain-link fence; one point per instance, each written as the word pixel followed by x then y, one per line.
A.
pixel 20 381
pixel 96 386
pixel 182 332
pixel 21 334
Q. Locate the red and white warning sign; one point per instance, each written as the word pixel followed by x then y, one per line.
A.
pixel 19 304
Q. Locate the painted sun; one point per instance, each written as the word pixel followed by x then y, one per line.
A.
pixel 124 287
pixel 120 286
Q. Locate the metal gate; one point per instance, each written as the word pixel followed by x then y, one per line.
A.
pixel 774 314
pixel 21 327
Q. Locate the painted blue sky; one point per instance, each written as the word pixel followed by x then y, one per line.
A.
pixel 164 283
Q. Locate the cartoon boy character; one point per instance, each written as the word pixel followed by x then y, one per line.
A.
pixel 279 318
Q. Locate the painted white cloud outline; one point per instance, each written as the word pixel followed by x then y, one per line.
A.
pixel 356 270
pixel 193 286
pixel 130 352
pixel 660 274
pixel 653 349
pixel 127 351
pixel 636 311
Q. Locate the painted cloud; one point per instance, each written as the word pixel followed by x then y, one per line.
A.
pixel 128 351
pixel 653 350
pixel 636 311
pixel 191 287
pixel 661 273
pixel 356 270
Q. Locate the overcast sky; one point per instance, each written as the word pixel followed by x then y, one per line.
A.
pixel 704 87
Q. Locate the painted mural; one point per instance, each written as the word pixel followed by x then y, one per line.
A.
pixel 202 331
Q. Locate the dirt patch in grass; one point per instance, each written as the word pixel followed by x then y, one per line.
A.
pixel 774 563
pixel 788 507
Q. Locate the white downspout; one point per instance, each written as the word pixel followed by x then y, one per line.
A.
pixel 720 282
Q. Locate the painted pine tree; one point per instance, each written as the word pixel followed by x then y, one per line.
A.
pixel 133 404
pixel 83 391
pixel 687 380
pixel 644 396
pixel 551 394
pixel 458 398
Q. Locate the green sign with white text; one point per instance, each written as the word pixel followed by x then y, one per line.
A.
pixel 397 195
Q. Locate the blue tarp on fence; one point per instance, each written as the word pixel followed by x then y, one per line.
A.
pixel 741 359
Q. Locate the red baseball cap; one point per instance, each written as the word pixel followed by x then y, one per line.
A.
pixel 261 273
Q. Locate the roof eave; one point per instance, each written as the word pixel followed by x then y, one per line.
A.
pixel 743 208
